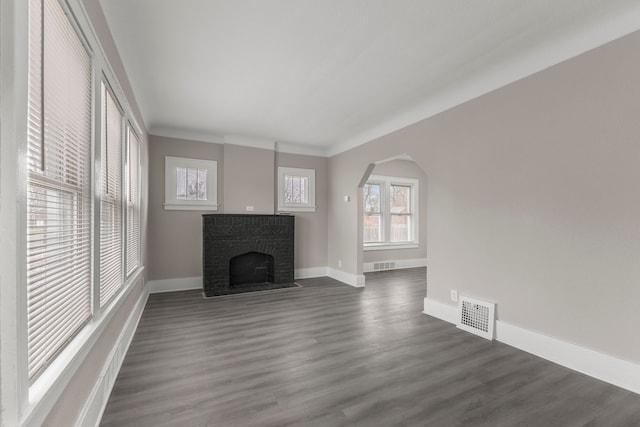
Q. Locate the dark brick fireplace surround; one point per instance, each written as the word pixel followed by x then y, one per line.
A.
pixel 244 253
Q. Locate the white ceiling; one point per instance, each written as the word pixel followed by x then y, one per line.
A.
pixel 321 76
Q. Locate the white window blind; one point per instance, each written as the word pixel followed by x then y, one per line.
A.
pixel 133 203
pixel 191 184
pixel 111 237
pixel 58 184
pixel 296 190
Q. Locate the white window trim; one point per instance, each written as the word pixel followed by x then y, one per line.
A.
pixel 389 246
pixel 386 182
pixel 309 173
pixel 172 203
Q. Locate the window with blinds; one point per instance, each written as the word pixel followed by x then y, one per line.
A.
pixel 111 237
pixel 133 202
pixel 58 184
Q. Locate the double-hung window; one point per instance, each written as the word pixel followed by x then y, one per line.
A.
pixel 111 261
pixel 133 201
pixel 390 213
pixel 59 139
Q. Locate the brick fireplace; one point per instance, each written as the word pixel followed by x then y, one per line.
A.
pixel 245 253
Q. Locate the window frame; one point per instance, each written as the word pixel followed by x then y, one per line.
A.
pixel 171 201
pixel 310 174
pixel 386 215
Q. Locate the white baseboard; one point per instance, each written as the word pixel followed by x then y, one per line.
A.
pixel 446 312
pixel 355 280
pixel 607 368
pixel 173 285
pixel 399 264
pixel 590 362
pixel 310 272
pixel 94 407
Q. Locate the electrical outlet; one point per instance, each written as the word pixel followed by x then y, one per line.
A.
pixel 250 209
pixel 339 263
pixel 454 295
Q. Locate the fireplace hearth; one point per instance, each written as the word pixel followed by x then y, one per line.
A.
pixel 245 253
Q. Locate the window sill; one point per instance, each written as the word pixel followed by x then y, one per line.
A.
pixel 389 246
pixel 190 207
pixel 287 209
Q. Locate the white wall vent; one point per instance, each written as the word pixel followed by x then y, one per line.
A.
pixel 379 266
pixel 477 317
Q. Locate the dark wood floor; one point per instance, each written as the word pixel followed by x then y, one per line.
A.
pixel 329 355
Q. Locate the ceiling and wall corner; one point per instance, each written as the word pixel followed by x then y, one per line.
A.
pixel 321 77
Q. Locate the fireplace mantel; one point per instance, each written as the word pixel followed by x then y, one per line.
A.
pixel 225 236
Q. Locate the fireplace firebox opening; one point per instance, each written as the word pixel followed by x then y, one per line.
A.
pixel 251 268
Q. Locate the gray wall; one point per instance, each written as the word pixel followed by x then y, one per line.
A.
pixel 311 227
pixel 175 237
pixel 246 176
pixel 533 199
pixel 248 179
pixel 404 169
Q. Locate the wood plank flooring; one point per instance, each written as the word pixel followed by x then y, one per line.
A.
pixel 328 354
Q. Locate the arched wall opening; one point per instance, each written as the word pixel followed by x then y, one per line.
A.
pixel 393 253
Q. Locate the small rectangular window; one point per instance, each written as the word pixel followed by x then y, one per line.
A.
pixel 190 184
pixel 296 189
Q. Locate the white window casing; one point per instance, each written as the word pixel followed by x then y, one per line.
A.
pixel 296 189
pixel 190 184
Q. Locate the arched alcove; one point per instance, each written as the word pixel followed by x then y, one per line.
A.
pixel 391 252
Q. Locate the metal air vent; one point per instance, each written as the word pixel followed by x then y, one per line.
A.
pixel 477 317
pixel 380 266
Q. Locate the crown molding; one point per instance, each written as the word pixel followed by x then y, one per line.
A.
pixel 544 56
